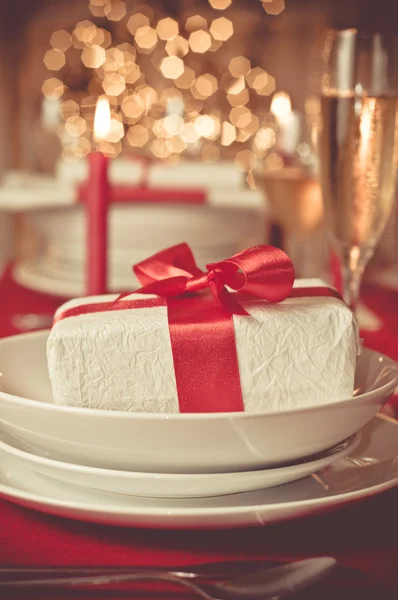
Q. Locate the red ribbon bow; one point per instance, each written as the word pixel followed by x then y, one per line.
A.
pixel 262 271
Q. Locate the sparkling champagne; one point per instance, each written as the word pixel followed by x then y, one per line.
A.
pixel 358 162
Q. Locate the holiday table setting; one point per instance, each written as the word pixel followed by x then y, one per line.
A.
pixel 176 396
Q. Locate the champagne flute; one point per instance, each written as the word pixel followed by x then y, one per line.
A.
pixel 358 146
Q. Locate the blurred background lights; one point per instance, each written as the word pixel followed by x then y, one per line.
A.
pixel 264 139
pixel 239 99
pixel 75 126
pixel 228 134
pixel 273 7
pixel 133 106
pixel 113 84
pixel 240 116
pixel 114 10
pixel 136 21
pixel 200 41
pixel 137 135
pixel 257 78
pixel 53 88
pixel 210 154
pixel 61 40
pixel 220 4
pixel 281 105
pixel 239 66
pixel 146 37
pixel 184 81
pixel 93 56
pixel 172 67
pixel 206 85
pixel 177 46
pixel 167 29
pixel 237 86
pixel 222 29
pixel 54 59
pixel 205 125
pixel 246 160
pixel 195 23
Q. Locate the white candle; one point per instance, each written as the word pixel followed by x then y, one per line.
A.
pixel 289 123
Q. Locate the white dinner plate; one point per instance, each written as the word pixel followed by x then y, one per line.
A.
pixel 49 274
pixel 143 225
pixel 372 468
pixel 169 485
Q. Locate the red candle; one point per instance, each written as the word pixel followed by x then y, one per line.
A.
pixel 97 206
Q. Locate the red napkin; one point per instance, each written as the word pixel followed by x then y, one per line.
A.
pixel 361 536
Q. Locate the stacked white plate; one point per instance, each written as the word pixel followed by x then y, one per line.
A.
pixel 193 470
pixel 136 232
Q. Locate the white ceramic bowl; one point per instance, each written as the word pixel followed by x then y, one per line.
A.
pixel 190 443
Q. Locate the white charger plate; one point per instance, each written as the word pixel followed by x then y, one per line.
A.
pixel 372 468
pixel 169 485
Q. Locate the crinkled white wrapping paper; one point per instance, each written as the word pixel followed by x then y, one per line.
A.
pixel 301 352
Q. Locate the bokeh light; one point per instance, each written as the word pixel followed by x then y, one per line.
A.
pixel 136 21
pixel 239 99
pixel 177 46
pixel 146 37
pixel 172 67
pixel 206 85
pixel 133 106
pixel 61 40
pixel 69 108
pixel 228 134
pixel 115 10
pixel 273 7
pixel 257 78
pixel 167 29
pixel 54 59
pixel 210 153
pixel 195 23
pixel 240 116
pixel 222 29
pixel 75 126
pixel 239 66
pixel 220 4
pixel 200 41
pixel 53 88
pixel 184 80
pixel 113 84
pixel 137 136
pixel 93 56
pixel 246 160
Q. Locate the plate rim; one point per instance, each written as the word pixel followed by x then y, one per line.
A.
pixel 238 513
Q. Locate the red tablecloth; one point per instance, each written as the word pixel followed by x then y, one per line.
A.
pixel 363 536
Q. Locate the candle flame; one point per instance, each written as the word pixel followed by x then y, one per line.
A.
pixel 281 105
pixel 102 119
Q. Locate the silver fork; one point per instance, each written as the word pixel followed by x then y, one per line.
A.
pixel 264 583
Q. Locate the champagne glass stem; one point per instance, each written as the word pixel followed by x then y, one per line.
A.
pixel 353 263
pixel 351 284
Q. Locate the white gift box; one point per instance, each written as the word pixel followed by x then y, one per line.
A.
pixel 297 353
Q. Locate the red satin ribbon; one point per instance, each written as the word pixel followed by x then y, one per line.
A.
pixel 201 324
